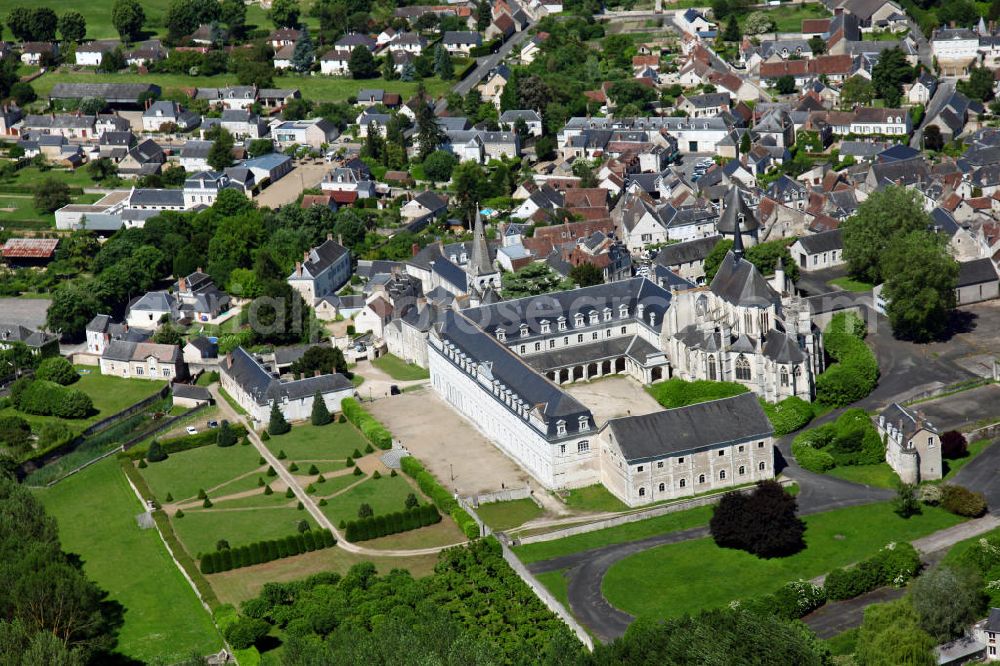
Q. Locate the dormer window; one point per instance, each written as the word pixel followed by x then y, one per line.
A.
pixel 593 317
pixel 622 311
pixel 546 326
pixel 560 427
pixel 584 423
pixel 501 335
pixel 607 314
pixel 524 330
pixel 561 323
pixel 578 320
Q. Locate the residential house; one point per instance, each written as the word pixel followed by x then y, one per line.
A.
pixel 39 343
pixel 323 270
pixel 37 54
pixel 268 168
pixel 345 179
pixel 913 444
pixel 102 330
pixel 143 360
pixel 90 54
pixel 335 62
pixel 533 121
pixel 461 42
pixel 164 112
pixel 314 133
pixel 243 124
pixel 819 251
pixel 977 282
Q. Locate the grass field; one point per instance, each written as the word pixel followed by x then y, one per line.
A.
pixel 30 176
pixel 850 284
pixel 671 522
pixel 556 583
pixel 880 475
pixel 954 553
pixel 183 474
pixel 975 448
pixel 96 512
pixel 201 530
pixel 385 495
pixel 399 369
pixel 334 441
pixel 788 18
pixel 505 515
pixel 694 575
pixel 595 498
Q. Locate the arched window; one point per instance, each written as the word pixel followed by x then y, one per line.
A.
pixel 701 478
pixel 797 371
pixel 742 368
pixel 663 487
pixel 722 474
pixel 642 492
pixel 683 483
pixel 743 470
pixel 762 467
pixel 784 376
pixel 712 375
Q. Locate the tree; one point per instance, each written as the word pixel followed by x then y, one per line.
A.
pixel 42 23
pixel 91 106
pixel 19 21
pixel 127 16
pixel 226 436
pixel 277 425
pixel 361 63
pixel 857 90
pixel 365 510
pixel 50 195
pixel 891 635
pixel 886 214
pixel 184 16
pixel 762 522
pixel 320 414
pixel 785 85
pixel 946 600
pixel 471 187
pixel 57 369
pixel 112 61
pixel 889 74
pixel 22 93
pixel 245 632
pixel 979 84
pixel 429 132
pixel 933 139
pixel 72 26
pixel 320 358
pixel 234 14
pixel 156 452
pixel 304 53
pixel 443 66
pixel 285 13
pixel 757 23
pixel 586 275
pixel 411 501
pixel 732 33
pixel 438 166
pixel 920 280
pixel 534 279
pixel 220 155
pixel 953 445
pixel 817 45
pixel 73 305
pixel 906 503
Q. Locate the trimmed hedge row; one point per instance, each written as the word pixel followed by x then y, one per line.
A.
pixel 788 415
pixel 187 442
pixel 266 551
pixel 441 497
pixel 850 440
pixel 855 373
pixel 45 398
pixel 792 601
pixel 374 431
pixel 374 527
pixel 893 565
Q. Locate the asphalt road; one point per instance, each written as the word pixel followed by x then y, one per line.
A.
pixel 484 67
pixel 983 475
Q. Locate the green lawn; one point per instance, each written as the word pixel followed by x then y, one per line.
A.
pixel 96 512
pixel 30 176
pixel 788 18
pixel 183 474
pixel 201 530
pixel 399 369
pixel 954 553
pixel 335 484
pixel 593 498
pixel 694 575
pixel 880 475
pixel 975 448
pixel 385 495
pixel 334 441
pixel 671 522
pixel 850 284
pixel 556 583
pixel 505 515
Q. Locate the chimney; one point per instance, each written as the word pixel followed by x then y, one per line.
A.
pixel 229 358
pixel 340 239
pixel 182 284
pixel 315 373
pixel 329 236
pixel 305 256
pixel 298 268
pixel 415 249
pixel 199 269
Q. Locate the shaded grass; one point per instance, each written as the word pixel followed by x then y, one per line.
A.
pixel 445 533
pixel 595 498
pixel 399 369
pixel 955 553
pixel 556 583
pixel 385 495
pixel 694 575
pixel 505 515
pixel 671 522
pixel 96 512
pixel 850 284
pixel 879 475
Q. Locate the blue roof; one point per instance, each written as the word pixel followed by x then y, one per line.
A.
pixel 451 273
pixel 269 161
pixel 897 153
pixel 692 14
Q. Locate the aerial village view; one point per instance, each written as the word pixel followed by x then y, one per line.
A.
pixel 500 332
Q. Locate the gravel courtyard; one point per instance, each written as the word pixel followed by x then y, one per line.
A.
pixel 613 397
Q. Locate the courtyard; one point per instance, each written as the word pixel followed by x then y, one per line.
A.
pixel 613 397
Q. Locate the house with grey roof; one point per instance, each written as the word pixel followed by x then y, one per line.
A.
pixel 143 360
pixel 531 119
pixel 977 282
pixel 165 112
pixel 461 42
pixel 102 330
pixel 913 444
pixel 819 251
pixel 323 270
pixel 688 450
pixel 40 343
pixel 256 386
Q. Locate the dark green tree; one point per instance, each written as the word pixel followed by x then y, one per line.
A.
pixel 226 436
pixel 320 414
pixel 72 26
pixel 50 195
pixel 220 155
pixel 443 66
pixel 277 425
pixel 785 85
pixel 586 274
pixel 429 132
pixel 888 213
pixel 156 452
pixel 285 13
pixel 947 600
pixel 906 503
pixel 763 522
pixel 889 74
pixel 439 166
pixel 362 64
pixel 920 280
pixel 304 52
pixel 128 17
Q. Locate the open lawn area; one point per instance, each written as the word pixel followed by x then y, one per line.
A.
pixel 96 512
pixel 505 515
pixel 334 441
pixel 975 448
pixel 183 474
pixel 556 583
pixel 850 284
pixel 880 475
pixel 399 369
pixel 318 88
pixel 445 533
pixel 200 530
pixel 594 498
pixel 789 17
pixel 671 522
pixel 30 176
pixel 385 495
pixel 687 577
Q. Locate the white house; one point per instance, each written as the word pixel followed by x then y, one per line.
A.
pixel 164 112
pixel 818 251
pixel 913 444
pixel 313 133
pixel 335 62
pixel 92 53
pixel 323 270
pixel 143 360
pixel 461 42
pixel 531 118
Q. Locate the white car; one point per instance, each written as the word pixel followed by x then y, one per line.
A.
pixel 191 430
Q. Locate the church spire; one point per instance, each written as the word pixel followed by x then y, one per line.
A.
pixel 479 263
pixel 738 244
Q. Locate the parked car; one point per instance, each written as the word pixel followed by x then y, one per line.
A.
pixel 191 430
pixel 213 424
pixel 394 390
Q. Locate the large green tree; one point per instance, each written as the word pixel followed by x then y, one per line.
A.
pixel 920 280
pixel 890 635
pixel 72 26
pixel 889 74
pixel 128 17
pixel 887 213
pixel 362 64
pixel 947 600
pixel 285 13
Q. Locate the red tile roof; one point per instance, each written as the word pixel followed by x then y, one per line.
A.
pixel 30 248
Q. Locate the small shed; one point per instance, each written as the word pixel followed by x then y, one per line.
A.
pixel 189 395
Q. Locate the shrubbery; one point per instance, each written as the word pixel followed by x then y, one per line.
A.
pixel 246 631
pixel 679 393
pixel 374 431
pixel 962 502
pixel 441 497
pixel 855 373
pixel 187 442
pixel 788 415
pixel 266 551
pixel 373 527
pixel 762 522
pixel 57 369
pixel 44 398
pixel 893 565
pixel 792 601
pixel 850 440
pixel 953 445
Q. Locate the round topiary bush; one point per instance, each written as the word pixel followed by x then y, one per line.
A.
pixel 57 369
pixel 302 526
pixel 322 502
pixel 156 452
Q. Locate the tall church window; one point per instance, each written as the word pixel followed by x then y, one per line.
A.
pixel 784 376
pixel 742 368
pixel 712 375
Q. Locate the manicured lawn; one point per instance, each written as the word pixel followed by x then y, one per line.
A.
pixel 595 498
pixel 505 515
pixel 183 474
pixel 385 495
pixel 445 533
pixel 694 575
pixel 30 176
pixel 399 369
pixel 880 475
pixel 335 484
pixel 975 448
pixel 255 500
pixel 954 553
pixel 334 441
pixel 788 18
pixel 96 512
pixel 201 530
pixel 850 284
pixel 671 522
pixel 556 583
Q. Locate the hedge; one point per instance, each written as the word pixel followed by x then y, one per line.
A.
pixel 441 497
pixel 374 527
pixel 893 565
pixel 373 431
pixel 259 552
pixel 788 415
pixel 963 502
pixel 187 442
pixel 855 373
pixel 792 601
pixel 850 440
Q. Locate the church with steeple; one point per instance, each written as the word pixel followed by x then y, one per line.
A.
pixel 742 327
pixel 482 276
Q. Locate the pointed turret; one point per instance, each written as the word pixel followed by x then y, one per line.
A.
pixel 479 262
pixel 736 214
pixel 738 244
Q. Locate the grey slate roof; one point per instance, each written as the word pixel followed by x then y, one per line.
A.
pixel 321 258
pixel 906 420
pixel 692 428
pixel 191 392
pixel 977 271
pixel 253 378
pixel 822 242
pixel 123 350
pixel 739 282
pixel 736 211
pixel 687 252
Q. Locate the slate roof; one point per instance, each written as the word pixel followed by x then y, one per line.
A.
pixel 30 337
pixel 691 428
pixel 263 388
pixel 191 392
pixel 736 210
pixel 822 242
pixel 739 282
pixel 205 347
pixel 320 259
pixel 977 271
pixel 124 350
pixel 907 421
pixel 687 252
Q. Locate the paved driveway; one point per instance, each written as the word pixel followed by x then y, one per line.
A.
pixel 963 409
pixel 983 475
